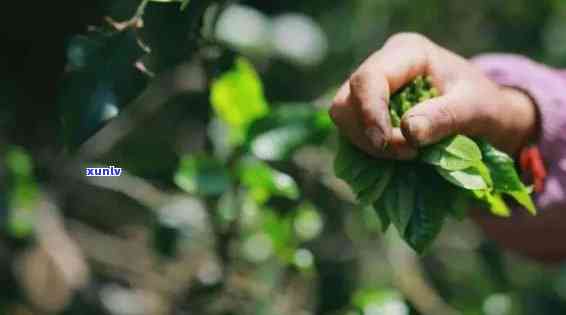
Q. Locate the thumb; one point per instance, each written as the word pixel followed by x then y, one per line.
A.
pixel 434 119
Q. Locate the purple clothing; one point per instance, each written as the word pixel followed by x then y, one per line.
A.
pixel 547 87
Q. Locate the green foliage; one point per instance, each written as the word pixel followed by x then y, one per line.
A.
pixel 23 193
pixel 379 301
pixel 263 181
pixel 287 127
pixel 420 90
pixel 281 232
pixel 413 196
pixel 202 175
pixel 237 98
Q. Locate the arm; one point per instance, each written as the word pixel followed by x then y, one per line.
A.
pixel 540 237
pixel 508 100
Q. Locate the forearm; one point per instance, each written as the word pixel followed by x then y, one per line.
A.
pixel 539 236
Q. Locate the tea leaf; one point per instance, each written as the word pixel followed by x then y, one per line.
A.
pixel 427 219
pixel 445 160
pixel 460 146
pixel 524 199
pixel 369 196
pixel 469 178
pixel 399 199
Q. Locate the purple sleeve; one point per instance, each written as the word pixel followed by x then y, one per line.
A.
pixel 547 87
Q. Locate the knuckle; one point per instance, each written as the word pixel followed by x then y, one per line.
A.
pixel 407 38
pixel 449 117
pixel 333 112
pixel 338 101
pixel 359 79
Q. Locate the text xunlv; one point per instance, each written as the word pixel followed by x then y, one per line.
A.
pixel 103 171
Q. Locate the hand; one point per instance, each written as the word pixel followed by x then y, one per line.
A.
pixel 469 103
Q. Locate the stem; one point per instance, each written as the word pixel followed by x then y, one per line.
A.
pixel 141 9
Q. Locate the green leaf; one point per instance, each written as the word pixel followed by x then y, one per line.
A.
pixel 344 158
pixel 263 181
pixel 419 90
pixel 483 170
pixel 469 178
pixel 395 119
pixel 461 203
pixel 494 202
pixel 399 198
pixel 461 147
pixel 372 172
pixel 370 195
pixel 23 193
pixel 428 216
pixel 366 180
pixel 502 169
pixel 523 197
pixel 276 136
pixel 505 177
pixel 278 144
pixel 19 162
pixel 237 98
pixel 381 211
pixel 350 162
pixel 444 159
pixel 498 205
pixel 204 175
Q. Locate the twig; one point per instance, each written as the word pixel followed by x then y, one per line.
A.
pixel 409 278
pixel 141 9
pixel 160 90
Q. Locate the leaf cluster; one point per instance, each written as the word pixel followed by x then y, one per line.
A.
pixel 446 179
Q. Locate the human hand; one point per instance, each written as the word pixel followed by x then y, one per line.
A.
pixel 469 103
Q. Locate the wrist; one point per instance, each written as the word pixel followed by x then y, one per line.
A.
pixel 521 118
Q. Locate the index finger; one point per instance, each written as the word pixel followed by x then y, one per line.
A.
pixel 402 58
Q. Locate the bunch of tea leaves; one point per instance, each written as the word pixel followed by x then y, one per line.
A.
pixel 446 179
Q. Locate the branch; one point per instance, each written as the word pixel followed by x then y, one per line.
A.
pixel 182 79
pixel 409 278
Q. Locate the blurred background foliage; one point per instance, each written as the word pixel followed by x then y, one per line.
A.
pixel 216 112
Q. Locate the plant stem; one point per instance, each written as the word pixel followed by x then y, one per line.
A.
pixel 141 9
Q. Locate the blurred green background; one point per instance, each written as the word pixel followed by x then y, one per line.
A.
pixel 216 111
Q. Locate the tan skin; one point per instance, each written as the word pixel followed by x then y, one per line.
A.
pixel 469 104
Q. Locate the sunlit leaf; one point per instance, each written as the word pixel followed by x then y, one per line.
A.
pixel 264 181
pixel 23 193
pixel 505 177
pixel 494 202
pixel 277 144
pixel 237 98
pixel 523 197
pixel 469 178
pixel 444 159
pixel 459 146
pixel 276 136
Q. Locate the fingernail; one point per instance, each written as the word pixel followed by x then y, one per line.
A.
pixel 375 135
pixel 419 129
